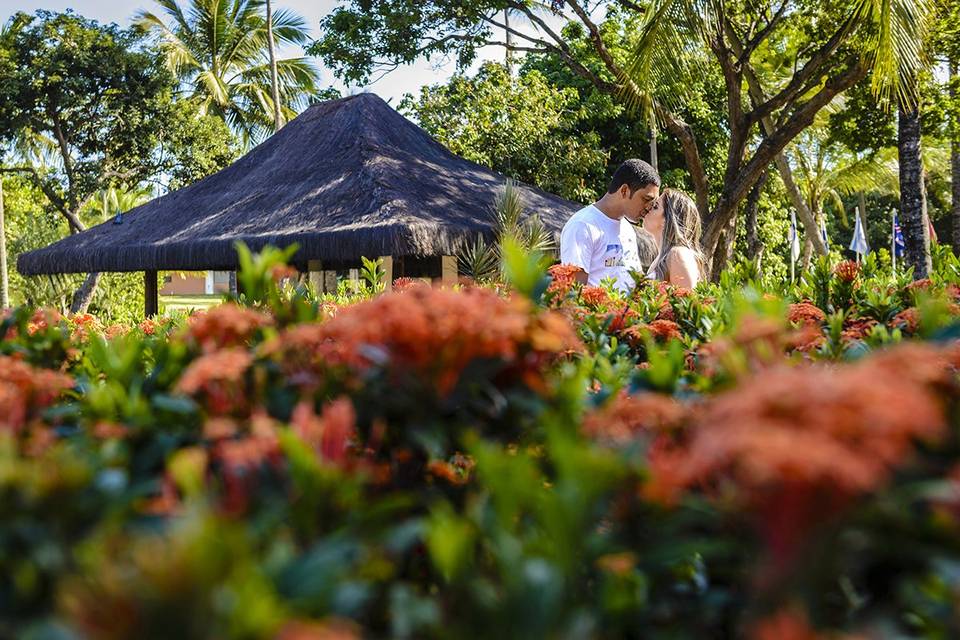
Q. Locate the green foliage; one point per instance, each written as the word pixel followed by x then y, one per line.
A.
pixel 218 51
pixel 512 125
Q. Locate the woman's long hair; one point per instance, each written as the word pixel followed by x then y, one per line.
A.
pixel 681 228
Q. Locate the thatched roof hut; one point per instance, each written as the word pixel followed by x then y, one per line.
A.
pixel 347 178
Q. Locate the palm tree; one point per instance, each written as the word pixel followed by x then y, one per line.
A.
pixel 220 50
pixel 274 75
pixel 677 38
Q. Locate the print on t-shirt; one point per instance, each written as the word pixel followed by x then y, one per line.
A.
pixel 613 256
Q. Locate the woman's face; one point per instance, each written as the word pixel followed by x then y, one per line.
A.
pixel 653 220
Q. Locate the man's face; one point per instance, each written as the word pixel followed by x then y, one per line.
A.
pixel 641 202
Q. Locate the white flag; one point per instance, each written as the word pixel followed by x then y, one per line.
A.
pixel 859 242
pixel 794 237
pixel 823 232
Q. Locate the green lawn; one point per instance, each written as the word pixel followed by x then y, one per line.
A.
pixel 169 304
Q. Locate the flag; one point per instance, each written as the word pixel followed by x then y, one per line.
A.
pixel 794 237
pixel 823 232
pixel 859 242
pixel 899 245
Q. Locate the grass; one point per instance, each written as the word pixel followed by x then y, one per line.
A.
pixel 170 304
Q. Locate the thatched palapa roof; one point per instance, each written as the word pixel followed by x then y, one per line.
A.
pixel 347 178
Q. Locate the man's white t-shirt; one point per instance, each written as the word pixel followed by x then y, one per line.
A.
pixel 601 246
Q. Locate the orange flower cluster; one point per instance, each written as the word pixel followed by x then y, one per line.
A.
pixel 218 379
pixel 26 391
pixel 847 271
pixel 43 319
pixel 804 313
pixel 404 284
pixel 227 325
pixel 795 443
pixel 594 296
pixel 856 328
pixel 923 284
pixel 659 330
pixel 628 416
pixel 907 320
pixel 563 279
pixel 432 333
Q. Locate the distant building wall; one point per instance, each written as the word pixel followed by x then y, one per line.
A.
pixel 195 283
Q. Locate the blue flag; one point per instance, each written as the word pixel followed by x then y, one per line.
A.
pixel 899 245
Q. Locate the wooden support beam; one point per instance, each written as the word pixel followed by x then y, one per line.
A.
pixel 448 271
pixel 330 281
pixel 151 294
pixel 315 269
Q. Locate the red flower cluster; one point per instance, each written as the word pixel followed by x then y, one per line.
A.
pixel 217 380
pixel 847 271
pixel 227 325
pixel 907 320
pixel 804 313
pixel 794 444
pixel 594 296
pixel 659 330
pixel 628 416
pixel 856 328
pixel 26 391
pixel 564 278
pixel 432 333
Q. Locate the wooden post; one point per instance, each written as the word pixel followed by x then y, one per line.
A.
pixel 387 273
pixel 448 270
pixel 315 268
pixel 151 294
pixel 330 281
pixel 354 278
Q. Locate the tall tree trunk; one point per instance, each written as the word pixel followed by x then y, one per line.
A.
pixel 955 159
pixel 509 40
pixel 724 250
pixel 83 296
pixel 752 211
pixel 4 280
pixel 274 80
pixel 916 232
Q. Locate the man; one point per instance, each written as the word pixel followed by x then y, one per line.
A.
pixel 600 239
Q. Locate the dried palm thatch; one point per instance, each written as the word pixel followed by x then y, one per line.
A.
pixel 348 178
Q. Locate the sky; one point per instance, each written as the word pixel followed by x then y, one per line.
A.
pixel 392 87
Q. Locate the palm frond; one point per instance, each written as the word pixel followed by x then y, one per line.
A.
pixel 896 32
pixel 837 202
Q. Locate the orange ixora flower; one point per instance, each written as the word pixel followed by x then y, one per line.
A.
pixel 847 271
pixel 803 313
pixel 659 330
pixel 218 379
pixel 26 391
pixel 227 325
pixel 795 445
pixel 428 333
pixel 405 284
pixel 857 328
pixel 629 416
pixel 42 319
pixel 563 279
pixel 908 320
pixel 594 296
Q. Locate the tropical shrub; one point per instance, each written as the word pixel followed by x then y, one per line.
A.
pixel 548 460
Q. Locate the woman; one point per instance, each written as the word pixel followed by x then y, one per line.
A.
pixel 674 223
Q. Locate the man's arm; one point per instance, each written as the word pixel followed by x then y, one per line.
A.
pixel 576 249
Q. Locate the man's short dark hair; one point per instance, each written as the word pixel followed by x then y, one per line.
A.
pixel 636 174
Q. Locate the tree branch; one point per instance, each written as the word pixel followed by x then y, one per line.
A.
pixel 76 225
